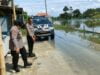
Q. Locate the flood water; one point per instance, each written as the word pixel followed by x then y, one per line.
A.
pixel 79 52
pixel 80 24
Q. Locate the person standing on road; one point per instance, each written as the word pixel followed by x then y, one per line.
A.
pixel 30 37
pixel 17 46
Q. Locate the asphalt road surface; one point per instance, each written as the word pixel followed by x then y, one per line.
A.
pixel 81 54
pixel 68 54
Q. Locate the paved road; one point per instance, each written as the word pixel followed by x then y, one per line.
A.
pixel 68 54
pixel 81 55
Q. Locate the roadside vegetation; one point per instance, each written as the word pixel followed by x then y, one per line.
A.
pixel 69 28
pixel 66 28
pixel 92 15
pixel 94 39
pixel 93 23
pixel 69 13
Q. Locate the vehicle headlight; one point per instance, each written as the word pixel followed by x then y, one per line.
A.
pixel 35 29
pixel 46 25
pixel 39 26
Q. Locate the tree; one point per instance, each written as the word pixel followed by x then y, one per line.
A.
pixel 72 13
pixel 76 13
pixel 25 15
pixel 92 13
pixel 65 9
pixel 88 13
pixel 66 15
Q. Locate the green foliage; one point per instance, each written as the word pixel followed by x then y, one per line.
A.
pixel 64 22
pixel 94 39
pixel 92 13
pixel 25 15
pixel 89 13
pixel 93 23
pixel 76 13
pixel 67 28
pixel 65 16
pixel 77 25
pixel 65 9
pixel 68 15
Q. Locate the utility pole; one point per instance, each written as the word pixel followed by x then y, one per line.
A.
pixel 14 10
pixel 46 7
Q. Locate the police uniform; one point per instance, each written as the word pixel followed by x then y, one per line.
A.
pixel 30 34
pixel 17 42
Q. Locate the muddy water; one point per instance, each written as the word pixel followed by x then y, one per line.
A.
pixel 78 52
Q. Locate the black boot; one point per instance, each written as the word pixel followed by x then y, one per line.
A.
pixel 32 55
pixel 27 65
pixel 16 69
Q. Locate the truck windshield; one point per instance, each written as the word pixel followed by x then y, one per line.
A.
pixel 41 21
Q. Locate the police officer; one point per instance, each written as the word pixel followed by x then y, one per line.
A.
pixel 30 37
pixel 17 46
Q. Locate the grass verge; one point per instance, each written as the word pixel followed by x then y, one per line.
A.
pixel 94 39
pixel 66 28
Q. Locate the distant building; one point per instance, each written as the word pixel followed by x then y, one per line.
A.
pixel 42 14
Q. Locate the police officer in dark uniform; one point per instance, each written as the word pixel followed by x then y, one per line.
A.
pixel 30 37
pixel 17 46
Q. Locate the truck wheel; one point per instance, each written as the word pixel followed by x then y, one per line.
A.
pixel 52 37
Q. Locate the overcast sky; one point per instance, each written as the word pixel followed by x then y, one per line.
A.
pixel 55 6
